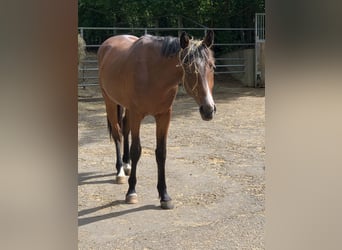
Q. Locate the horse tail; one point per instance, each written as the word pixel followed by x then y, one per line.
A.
pixel 120 111
pixel 114 117
pixel 120 114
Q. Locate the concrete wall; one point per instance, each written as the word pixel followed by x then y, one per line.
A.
pixel 248 55
pixel 248 78
pixel 261 65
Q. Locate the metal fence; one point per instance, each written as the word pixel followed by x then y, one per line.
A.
pixel 231 39
pixel 260 38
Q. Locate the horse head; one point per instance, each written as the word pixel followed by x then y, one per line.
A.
pixel 197 61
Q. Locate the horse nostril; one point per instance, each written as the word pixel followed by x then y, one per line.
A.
pixel 207 109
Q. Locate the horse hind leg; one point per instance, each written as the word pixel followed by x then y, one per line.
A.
pixel 120 176
pixel 114 117
pixel 135 153
pixel 126 154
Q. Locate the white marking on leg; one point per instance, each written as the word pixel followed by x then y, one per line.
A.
pixel 127 167
pixel 121 172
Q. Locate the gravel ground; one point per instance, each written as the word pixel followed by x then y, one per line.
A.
pixel 215 174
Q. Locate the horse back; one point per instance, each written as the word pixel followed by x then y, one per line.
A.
pixel 114 47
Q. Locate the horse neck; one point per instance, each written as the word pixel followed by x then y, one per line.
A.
pixel 172 72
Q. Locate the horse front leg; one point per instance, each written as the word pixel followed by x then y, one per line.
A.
pixel 135 152
pixel 163 122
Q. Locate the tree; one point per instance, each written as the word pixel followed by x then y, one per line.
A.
pixel 170 13
pixel 213 13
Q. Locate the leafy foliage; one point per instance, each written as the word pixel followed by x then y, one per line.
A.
pixel 152 13
pixel 169 13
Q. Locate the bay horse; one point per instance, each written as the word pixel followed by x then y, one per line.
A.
pixel 140 77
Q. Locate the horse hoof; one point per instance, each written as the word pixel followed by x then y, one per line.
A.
pixel 166 204
pixel 132 199
pixel 121 179
pixel 128 171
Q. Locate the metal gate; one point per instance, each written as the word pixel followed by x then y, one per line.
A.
pixel 88 69
pixel 259 50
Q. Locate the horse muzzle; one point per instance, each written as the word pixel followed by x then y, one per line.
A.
pixel 207 112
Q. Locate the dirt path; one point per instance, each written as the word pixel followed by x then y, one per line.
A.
pixel 215 176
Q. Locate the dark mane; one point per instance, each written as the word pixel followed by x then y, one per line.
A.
pixel 170 46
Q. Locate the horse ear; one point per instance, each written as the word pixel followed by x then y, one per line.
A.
pixel 208 40
pixel 184 40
